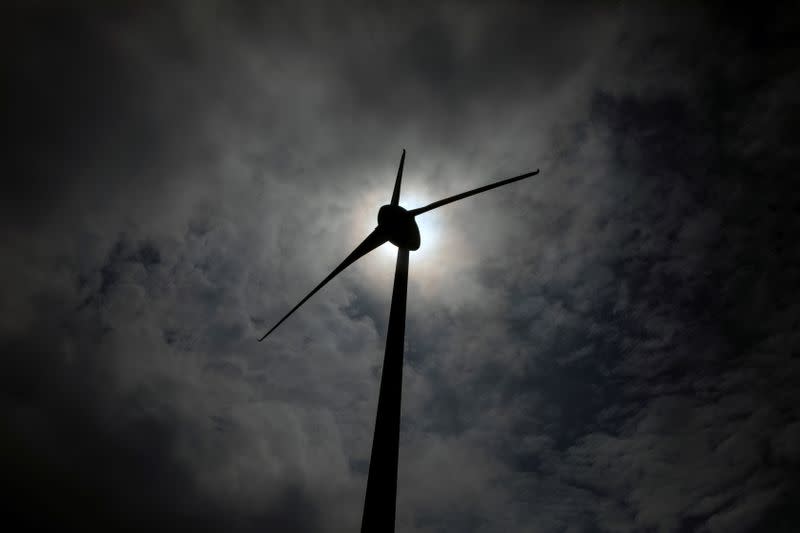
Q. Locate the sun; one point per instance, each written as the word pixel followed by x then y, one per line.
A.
pixel 428 223
pixel 431 227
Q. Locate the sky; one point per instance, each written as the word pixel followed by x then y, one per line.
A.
pixel 609 346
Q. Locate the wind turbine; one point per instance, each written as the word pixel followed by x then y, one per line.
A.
pixel 398 226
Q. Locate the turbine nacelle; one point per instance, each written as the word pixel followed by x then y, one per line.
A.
pixel 399 227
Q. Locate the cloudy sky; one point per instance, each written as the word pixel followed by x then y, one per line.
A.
pixel 612 345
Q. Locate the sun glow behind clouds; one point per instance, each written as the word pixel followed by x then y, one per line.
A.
pixel 432 256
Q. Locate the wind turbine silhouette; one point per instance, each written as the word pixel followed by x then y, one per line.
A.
pixel 398 226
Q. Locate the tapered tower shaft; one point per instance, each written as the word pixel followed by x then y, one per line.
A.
pixel 379 503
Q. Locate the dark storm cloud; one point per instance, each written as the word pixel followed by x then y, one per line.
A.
pixel 612 347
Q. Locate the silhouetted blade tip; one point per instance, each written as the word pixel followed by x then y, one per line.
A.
pixel 467 194
pixel 373 240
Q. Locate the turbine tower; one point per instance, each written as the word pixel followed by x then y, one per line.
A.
pixel 398 226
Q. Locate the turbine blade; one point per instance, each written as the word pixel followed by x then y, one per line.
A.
pixel 450 199
pixel 373 240
pixel 396 192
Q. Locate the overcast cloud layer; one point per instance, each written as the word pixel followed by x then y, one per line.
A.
pixel 610 346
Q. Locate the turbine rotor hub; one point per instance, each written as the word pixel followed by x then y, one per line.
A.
pixel 399 226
